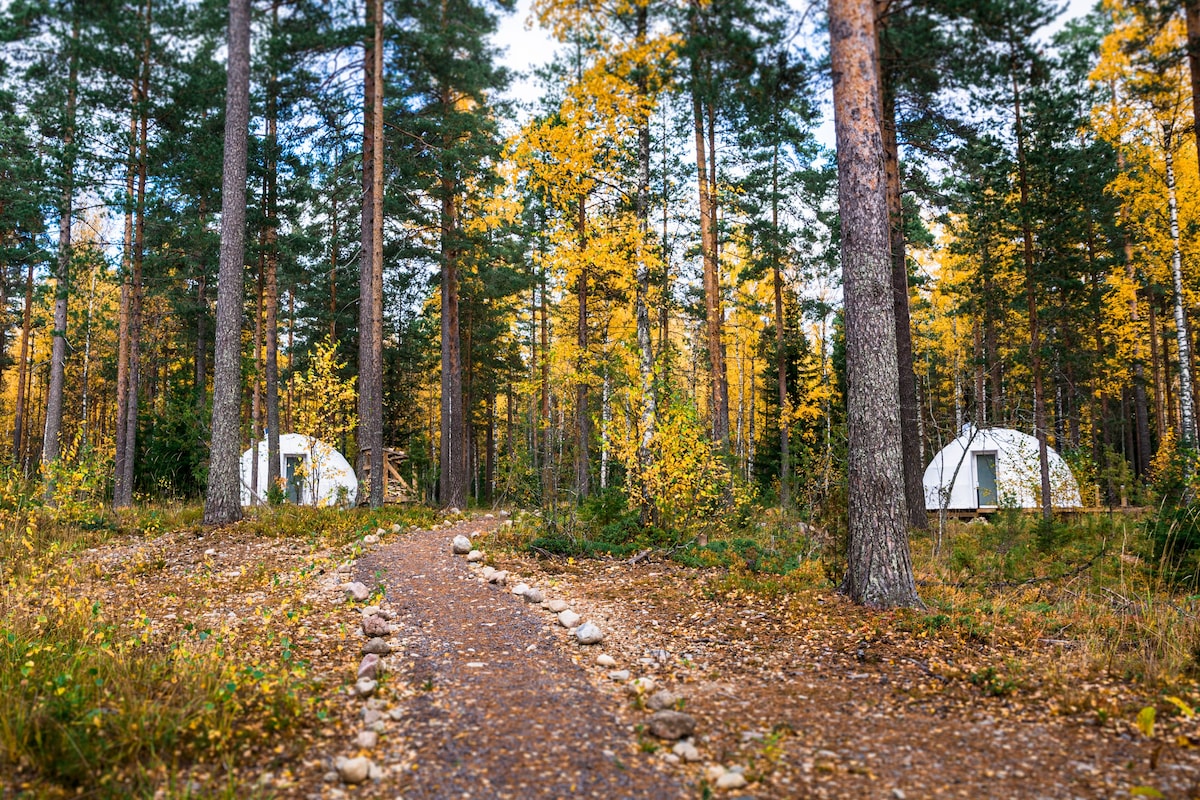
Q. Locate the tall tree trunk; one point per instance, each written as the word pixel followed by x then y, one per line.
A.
pixel 648 417
pixel 454 456
pixel 880 566
pixel 370 312
pixel 583 428
pixel 200 357
pixel 1192 13
pixel 719 387
pixel 271 282
pixel 52 433
pixel 1031 296
pixel 122 491
pixel 547 429
pixel 223 499
pixel 1187 416
pixel 910 403
pixel 785 407
pixel 256 386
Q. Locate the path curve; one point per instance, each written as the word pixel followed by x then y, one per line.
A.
pixel 528 723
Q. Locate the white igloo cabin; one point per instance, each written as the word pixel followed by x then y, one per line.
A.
pixel 989 468
pixel 314 473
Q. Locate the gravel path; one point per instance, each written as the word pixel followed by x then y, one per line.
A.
pixel 501 710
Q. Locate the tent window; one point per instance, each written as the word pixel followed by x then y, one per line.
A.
pixel 985 472
pixel 295 475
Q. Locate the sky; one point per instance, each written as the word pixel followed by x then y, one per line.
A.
pixel 527 47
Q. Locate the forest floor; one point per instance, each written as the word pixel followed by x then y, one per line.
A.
pixel 485 694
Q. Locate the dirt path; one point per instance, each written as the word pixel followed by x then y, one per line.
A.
pixel 501 709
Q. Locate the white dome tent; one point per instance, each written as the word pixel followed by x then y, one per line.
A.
pixel 987 468
pixel 313 473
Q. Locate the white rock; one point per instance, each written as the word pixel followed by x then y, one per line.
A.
pixel 499 577
pixel 366 740
pixel 588 633
pixel 395 527
pixel 619 675
pixel 520 588
pixel 534 596
pixel 475 555
pixel 605 660
pixel 354 770
pixel 714 771
pixel 370 538
pixel 375 772
pixel 370 666
pixel 731 780
pixel 557 606
pixel 378 646
pixel 365 687
pixel 489 516
pixel 569 619
pixel 370 611
pixel 461 545
pixel 487 572
pixel 380 532
pixel 356 591
pixel 687 751
pixel 212 551
pixel 453 511
pixel 660 700
pixel 642 685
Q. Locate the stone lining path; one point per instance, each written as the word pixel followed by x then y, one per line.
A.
pixel 501 711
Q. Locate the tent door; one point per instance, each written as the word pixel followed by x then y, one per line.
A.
pixel 985 473
pixel 294 478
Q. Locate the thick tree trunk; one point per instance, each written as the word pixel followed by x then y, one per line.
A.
pixel 370 297
pixel 454 456
pixel 52 433
pixel 1192 12
pixel 648 418
pixel 910 403
pixel 223 501
pixel 880 566
pixel 785 410
pixel 122 492
pixel 133 373
pixel 547 428
pixel 256 385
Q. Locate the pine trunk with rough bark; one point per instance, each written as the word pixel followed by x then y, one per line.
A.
pixel 271 277
pixel 52 432
pixel 222 503
pixel 583 428
pixel 910 403
pixel 370 287
pixel 648 418
pixel 880 567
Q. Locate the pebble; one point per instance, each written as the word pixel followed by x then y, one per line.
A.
pixel 461 545
pixel 642 685
pixel 557 606
pixel 731 780
pixel 365 687
pixel 487 572
pixel 370 611
pixel 331 776
pixel 899 794
pixel 371 538
pixel 534 596
pixel 499 577
pixel 672 725
pixel 356 591
pixel 371 716
pixel 660 700
pixel 377 646
pixel 605 660
pixel 370 666
pixel 474 556
pixel 212 551
pixel 354 770
pixel 569 619
pixel 395 527
pixel 375 626
pixel 366 740
pixel 619 674
pixel 453 511
pixel 587 633
pixel 687 751
pixel 520 588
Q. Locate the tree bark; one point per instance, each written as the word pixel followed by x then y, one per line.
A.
pixel 271 277
pixel 223 500
pixel 648 418
pixel 785 410
pixel 1192 14
pixel 122 492
pixel 1187 416
pixel 583 429
pixel 910 404
pixel 23 377
pixel 370 297
pixel 880 567
pixel 52 433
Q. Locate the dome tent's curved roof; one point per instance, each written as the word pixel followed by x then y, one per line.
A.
pixel 952 477
pixel 324 476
